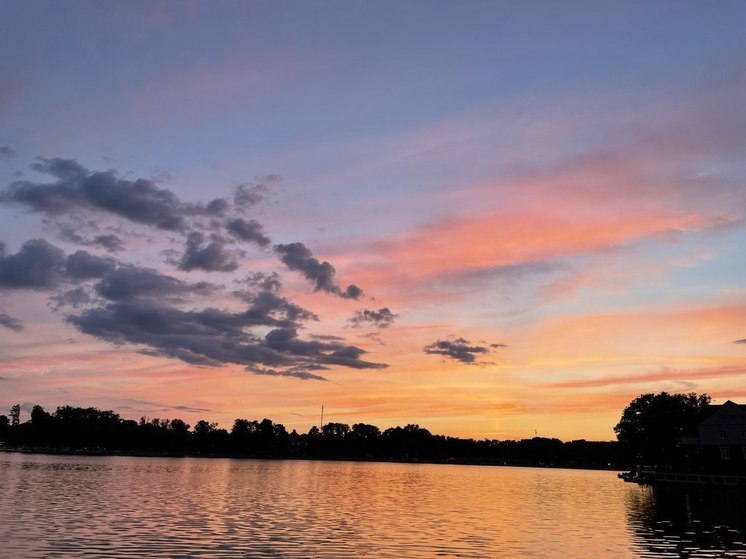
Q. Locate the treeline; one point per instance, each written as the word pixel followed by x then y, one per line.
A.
pixel 89 430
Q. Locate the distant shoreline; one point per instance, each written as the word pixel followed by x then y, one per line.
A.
pixel 79 431
pixel 453 462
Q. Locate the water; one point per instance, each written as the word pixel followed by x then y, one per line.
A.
pixel 118 507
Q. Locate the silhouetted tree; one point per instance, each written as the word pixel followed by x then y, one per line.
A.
pixel 203 428
pixel 208 438
pixel 42 426
pixel 15 415
pixel 364 439
pixel 179 435
pixel 4 427
pixel 653 424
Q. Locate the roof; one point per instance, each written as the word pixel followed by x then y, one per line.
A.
pixel 729 413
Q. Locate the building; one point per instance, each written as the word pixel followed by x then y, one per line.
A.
pixel 722 438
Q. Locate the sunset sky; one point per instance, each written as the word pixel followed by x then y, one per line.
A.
pixel 493 219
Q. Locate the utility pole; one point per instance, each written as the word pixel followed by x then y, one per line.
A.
pixel 321 426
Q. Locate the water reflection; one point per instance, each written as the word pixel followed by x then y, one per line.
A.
pixel 688 522
pixel 118 507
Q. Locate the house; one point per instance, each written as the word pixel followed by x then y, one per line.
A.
pixel 715 456
pixel 722 438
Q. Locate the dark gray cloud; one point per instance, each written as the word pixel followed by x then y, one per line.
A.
pixel 459 349
pixel 299 373
pixel 70 234
pixel 71 298
pixel 261 281
pixel 327 337
pixel 742 341
pixel 250 194
pixel 128 304
pixel 74 234
pixel 37 265
pixel 269 309
pixel 77 188
pixel 109 242
pixel 349 356
pixel 128 282
pixel 299 258
pixel 7 152
pixel 10 322
pixel 217 207
pixel 82 265
pixel 42 266
pixel 75 191
pixel 212 337
pixel 248 230
pixel 320 352
pixel 382 318
pixel 210 257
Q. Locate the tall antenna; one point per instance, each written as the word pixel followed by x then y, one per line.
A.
pixel 322 417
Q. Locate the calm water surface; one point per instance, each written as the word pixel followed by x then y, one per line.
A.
pixel 102 507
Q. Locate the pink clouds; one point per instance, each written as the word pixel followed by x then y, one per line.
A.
pixel 463 245
pixel 653 377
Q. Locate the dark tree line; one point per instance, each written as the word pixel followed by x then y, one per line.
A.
pixel 72 429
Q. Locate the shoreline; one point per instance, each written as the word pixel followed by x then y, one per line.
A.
pixel 450 462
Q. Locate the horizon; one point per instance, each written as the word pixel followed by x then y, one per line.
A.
pixel 489 219
pixel 25 416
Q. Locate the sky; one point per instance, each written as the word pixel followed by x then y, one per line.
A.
pixel 492 219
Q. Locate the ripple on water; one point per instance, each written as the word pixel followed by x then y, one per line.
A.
pixel 120 507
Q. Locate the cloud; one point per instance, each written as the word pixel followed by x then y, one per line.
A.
pixel 297 257
pixel 382 318
pixel 217 207
pixel 247 195
pixel 7 152
pixel 82 265
pixel 250 231
pixel 42 266
pixel 327 337
pixel 212 337
pixel 109 242
pixel 268 308
pixel 10 322
pixel 126 304
pixel 71 298
pixel 77 188
pixel 129 282
pixel 459 349
pixel 742 341
pixel 349 356
pixel 665 374
pixel 37 265
pixel 71 234
pixel 210 257
pixel 301 374
pixel 260 280
pixel 75 191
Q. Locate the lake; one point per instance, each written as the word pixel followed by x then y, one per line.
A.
pixel 71 506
